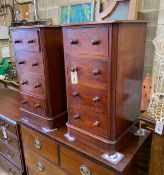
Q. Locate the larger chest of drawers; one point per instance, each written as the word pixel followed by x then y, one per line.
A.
pixel 104 70
pixel 40 66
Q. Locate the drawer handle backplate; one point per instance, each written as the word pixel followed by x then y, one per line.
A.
pixel 21 62
pixel 95 42
pixel 37 143
pixel 34 64
pixel 74 41
pixel 95 72
pixel 76 117
pixel 40 166
pixel 84 170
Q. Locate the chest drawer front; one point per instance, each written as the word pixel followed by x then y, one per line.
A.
pixel 9 126
pixel 74 163
pixel 34 104
pixel 10 140
pixel 29 62
pixel 10 154
pixel 32 84
pixel 25 40
pixel 86 119
pixel 94 99
pixel 92 41
pixel 8 167
pixel 92 72
pixel 38 164
pixel 40 144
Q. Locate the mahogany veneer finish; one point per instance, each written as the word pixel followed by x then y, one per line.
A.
pixel 11 155
pixel 109 59
pixel 40 66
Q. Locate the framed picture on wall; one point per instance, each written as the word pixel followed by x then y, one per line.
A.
pixel 79 12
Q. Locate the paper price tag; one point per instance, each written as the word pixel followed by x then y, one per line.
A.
pixel 4 132
pixel 74 78
pixel 159 127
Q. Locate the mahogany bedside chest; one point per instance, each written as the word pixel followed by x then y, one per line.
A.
pixel 104 69
pixel 11 154
pixel 40 65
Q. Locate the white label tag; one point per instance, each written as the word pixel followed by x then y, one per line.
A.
pixel 159 127
pixel 4 132
pixel 74 78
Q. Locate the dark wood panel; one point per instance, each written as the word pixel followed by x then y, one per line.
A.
pixel 25 40
pixel 86 40
pixel 41 166
pixel 40 144
pixel 29 62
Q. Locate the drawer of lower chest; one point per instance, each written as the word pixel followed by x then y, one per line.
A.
pixel 93 41
pixel 76 164
pixel 89 71
pixel 39 165
pixel 10 154
pixel 93 98
pixel 8 126
pixel 8 167
pixel 32 84
pixel 34 104
pixel 40 144
pixel 9 139
pixel 88 120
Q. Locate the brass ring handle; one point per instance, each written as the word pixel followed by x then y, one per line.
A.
pixel 37 143
pixel 84 170
pixel 40 166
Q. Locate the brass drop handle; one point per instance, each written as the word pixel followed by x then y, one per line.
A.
pixel 37 143
pixel 73 69
pixel 24 102
pixel 37 85
pixel 75 94
pixel 11 172
pixel 40 166
pixel 96 99
pixel 74 42
pixel 96 123
pixel 34 64
pixel 30 41
pixel 95 42
pixel 17 41
pixel 95 72
pixel 9 155
pixel 37 106
pixel 84 170
pixel 24 82
pixel 76 117
pixel 21 62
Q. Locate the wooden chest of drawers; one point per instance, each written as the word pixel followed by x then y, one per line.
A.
pixel 104 70
pixel 11 155
pixel 40 66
